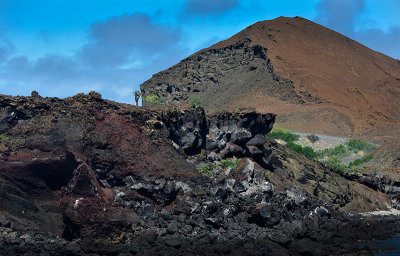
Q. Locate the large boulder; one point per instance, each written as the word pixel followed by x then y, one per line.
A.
pixel 238 134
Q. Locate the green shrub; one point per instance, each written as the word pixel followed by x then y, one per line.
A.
pixel 358 145
pixel 283 134
pixel 207 170
pixel 3 138
pixel 227 163
pixel 195 102
pixel 152 99
pixel 267 175
pixel 306 151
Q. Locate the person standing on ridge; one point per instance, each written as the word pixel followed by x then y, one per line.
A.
pixel 137 97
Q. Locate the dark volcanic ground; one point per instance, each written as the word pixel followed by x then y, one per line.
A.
pixel 83 175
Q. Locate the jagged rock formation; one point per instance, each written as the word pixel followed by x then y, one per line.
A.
pixel 221 70
pixel 305 73
pixel 84 175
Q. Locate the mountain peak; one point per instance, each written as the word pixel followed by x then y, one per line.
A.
pixel 296 68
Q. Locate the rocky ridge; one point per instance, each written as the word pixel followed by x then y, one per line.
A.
pixel 226 69
pixel 83 175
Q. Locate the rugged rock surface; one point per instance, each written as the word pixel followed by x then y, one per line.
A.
pixel 227 69
pixel 305 73
pixel 388 155
pixel 240 134
pixel 84 175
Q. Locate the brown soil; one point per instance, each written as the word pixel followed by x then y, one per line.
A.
pixel 348 89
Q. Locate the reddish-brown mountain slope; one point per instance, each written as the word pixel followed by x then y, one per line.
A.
pixel 362 83
pixel 331 84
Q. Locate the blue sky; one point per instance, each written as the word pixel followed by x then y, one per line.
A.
pixel 62 47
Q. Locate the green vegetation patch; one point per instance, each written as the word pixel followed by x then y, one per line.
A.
pixel 306 151
pixel 332 157
pixel 153 99
pixel 361 161
pixel 206 170
pixel 338 151
pixel 283 134
pixel 358 145
pixel 335 155
pixel 3 138
pixel 267 175
pixel 195 102
pixel 209 169
pixel 336 165
pixel 352 167
pixel 228 163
